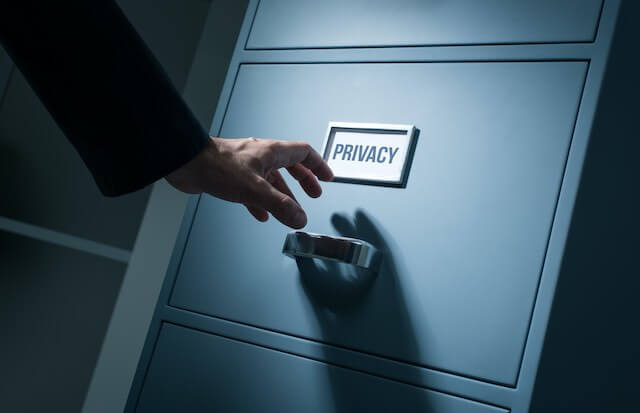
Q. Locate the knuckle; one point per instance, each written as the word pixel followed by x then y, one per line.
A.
pixel 274 146
pixel 268 153
pixel 302 145
pixel 247 144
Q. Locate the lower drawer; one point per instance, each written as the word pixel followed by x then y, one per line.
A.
pixel 192 371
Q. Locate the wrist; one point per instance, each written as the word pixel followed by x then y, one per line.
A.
pixel 188 177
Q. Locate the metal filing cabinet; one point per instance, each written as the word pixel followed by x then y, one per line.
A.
pixel 502 95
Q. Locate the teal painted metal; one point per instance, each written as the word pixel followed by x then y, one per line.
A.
pixel 283 382
pixel 464 241
pixel 284 24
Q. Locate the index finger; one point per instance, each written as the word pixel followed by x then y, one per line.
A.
pixel 289 153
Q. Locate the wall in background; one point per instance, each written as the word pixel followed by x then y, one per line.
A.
pixel 128 327
pixel 64 248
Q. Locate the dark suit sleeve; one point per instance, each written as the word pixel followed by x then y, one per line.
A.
pixel 105 89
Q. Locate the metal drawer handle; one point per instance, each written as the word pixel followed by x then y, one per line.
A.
pixel 341 249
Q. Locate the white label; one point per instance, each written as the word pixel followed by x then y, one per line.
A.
pixel 363 153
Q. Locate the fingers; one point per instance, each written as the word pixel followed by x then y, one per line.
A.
pixel 281 205
pixel 307 180
pixel 275 178
pixel 258 213
pixel 273 195
pixel 289 153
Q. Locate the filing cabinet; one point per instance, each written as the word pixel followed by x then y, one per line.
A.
pixel 502 97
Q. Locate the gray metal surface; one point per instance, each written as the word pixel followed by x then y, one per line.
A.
pixel 365 23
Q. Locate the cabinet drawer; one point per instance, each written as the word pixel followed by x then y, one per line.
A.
pixel 192 371
pixel 465 240
pixel 367 23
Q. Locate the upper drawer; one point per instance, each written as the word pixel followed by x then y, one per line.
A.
pixel 465 240
pixel 293 24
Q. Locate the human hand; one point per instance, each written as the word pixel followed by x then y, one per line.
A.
pixel 247 171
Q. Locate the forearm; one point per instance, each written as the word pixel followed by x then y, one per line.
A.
pixel 104 88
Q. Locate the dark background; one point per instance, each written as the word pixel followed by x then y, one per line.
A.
pixel 56 301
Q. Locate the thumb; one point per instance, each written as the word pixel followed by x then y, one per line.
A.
pixel 280 205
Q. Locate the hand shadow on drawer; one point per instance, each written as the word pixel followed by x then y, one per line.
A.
pixel 340 297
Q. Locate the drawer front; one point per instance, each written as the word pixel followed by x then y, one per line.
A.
pixel 366 23
pixel 464 242
pixel 192 371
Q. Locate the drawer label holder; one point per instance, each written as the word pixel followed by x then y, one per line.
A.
pixel 370 153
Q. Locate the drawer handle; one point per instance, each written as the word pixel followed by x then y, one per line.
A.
pixel 300 244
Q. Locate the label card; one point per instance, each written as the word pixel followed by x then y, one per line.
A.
pixel 370 153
